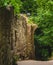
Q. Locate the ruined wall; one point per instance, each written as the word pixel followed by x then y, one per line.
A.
pixel 30 40
pixel 18 32
pixel 23 38
pixel 6 15
pixel 16 37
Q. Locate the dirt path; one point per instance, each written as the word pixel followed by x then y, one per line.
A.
pixel 32 62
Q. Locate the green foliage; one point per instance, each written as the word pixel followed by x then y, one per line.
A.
pixel 44 19
pixel 15 59
pixel 15 3
pixel 29 6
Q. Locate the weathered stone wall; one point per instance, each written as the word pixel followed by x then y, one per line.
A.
pixel 18 32
pixel 30 40
pixel 16 36
pixel 6 15
pixel 23 38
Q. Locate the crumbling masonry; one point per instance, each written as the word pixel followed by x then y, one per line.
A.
pixel 16 37
pixel 22 35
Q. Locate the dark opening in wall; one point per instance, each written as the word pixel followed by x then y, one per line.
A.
pixel 38 31
pixel 42 50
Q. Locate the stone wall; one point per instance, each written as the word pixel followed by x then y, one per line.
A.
pixel 22 36
pixel 30 40
pixel 16 37
pixel 6 17
pixel 18 32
